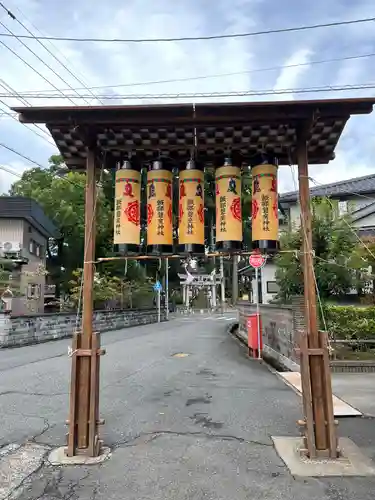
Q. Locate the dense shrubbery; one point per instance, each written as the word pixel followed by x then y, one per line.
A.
pixel 350 322
pixel 340 265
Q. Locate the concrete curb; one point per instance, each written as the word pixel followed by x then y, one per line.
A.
pixel 274 371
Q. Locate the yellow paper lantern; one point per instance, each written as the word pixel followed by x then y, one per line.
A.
pixel 127 209
pixel 228 208
pixel 265 216
pixel 191 209
pixel 159 209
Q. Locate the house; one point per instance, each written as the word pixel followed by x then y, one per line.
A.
pixel 353 196
pixel 24 234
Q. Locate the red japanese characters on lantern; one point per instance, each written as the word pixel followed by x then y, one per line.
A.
pixel 236 209
pixel 228 207
pixel 265 216
pixel 159 209
pixel 132 212
pixel 191 209
pixel 127 208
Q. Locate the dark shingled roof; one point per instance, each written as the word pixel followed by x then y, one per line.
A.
pixel 18 207
pixel 360 185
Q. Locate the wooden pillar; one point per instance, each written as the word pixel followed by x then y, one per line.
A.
pixel 87 303
pixel 84 395
pixel 315 377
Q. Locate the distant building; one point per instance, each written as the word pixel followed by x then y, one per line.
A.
pixel 24 234
pixel 354 196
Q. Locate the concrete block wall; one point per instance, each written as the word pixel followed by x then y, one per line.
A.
pixel 278 332
pixel 24 330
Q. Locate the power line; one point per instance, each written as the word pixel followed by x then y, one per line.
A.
pixel 33 69
pixel 217 75
pixel 14 18
pixel 198 38
pixel 21 155
pixel 30 129
pixel 8 88
pixel 13 92
pixel 9 171
pixel 194 95
pixel 53 46
pixel 38 164
pixel 42 61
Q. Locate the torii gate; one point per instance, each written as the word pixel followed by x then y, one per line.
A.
pixel 202 281
pixel 301 132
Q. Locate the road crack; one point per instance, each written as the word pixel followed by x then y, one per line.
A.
pixel 24 393
pixel 152 435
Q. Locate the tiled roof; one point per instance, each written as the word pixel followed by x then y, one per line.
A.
pixel 360 185
pixel 18 207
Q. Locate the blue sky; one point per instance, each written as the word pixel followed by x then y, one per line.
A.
pixel 110 64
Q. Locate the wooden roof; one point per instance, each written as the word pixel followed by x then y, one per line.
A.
pixel 213 130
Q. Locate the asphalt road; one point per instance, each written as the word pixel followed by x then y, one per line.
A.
pixel 190 427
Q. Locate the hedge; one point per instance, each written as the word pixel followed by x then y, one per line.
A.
pixel 349 322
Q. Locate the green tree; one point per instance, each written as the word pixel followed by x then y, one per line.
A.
pixel 113 290
pixel 366 253
pixel 62 198
pixel 337 264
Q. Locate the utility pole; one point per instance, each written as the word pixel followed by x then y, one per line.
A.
pixel 315 375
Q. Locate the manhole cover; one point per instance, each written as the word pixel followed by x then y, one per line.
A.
pixel 180 355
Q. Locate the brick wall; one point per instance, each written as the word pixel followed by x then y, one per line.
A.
pixel 23 330
pixel 278 332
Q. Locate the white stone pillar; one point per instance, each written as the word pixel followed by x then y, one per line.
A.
pixel 213 296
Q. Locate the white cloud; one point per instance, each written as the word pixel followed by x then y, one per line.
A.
pixel 289 77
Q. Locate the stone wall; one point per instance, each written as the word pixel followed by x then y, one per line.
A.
pixel 218 309
pixel 23 330
pixel 278 332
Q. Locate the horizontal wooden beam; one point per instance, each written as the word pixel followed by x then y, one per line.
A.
pixel 187 113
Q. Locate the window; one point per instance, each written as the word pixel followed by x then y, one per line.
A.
pixel 272 287
pixel 36 249
pixel 33 291
pixel 343 207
